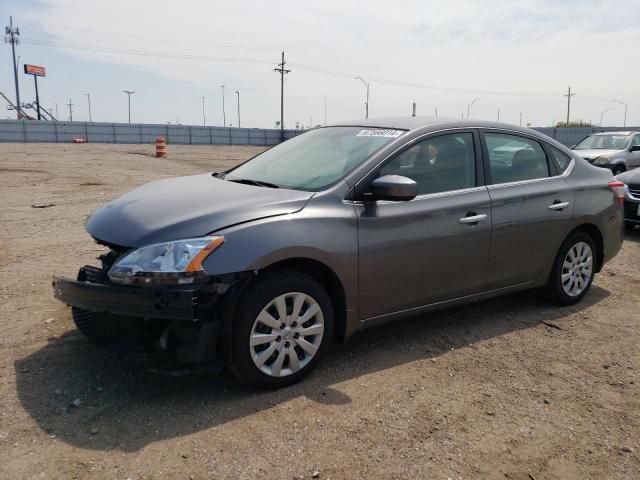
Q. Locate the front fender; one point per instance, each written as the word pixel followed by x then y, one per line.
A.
pixel 323 231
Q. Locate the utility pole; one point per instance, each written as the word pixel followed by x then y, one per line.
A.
pixel 625 111
pixel 238 94
pixel 224 115
pixel 70 110
pixel 204 118
pixel 569 95
pixel 366 104
pixel 413 113
pixel 129 93
pixel 12 34
pixel 469 105
pixel 282 71
pixel 89 101
pixel 498 115
pixel 57 116
pixel 436 112
pixel 520 118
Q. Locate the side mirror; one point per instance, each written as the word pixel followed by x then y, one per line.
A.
pixel 394 187
pixel 634 148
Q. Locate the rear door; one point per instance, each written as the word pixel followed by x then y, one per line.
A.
pixel 530 205
pixel 431 248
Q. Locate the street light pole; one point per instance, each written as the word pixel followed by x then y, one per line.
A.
pixel 129 93
pixel 602 114
pixel 625 111
pixel 224 116
pixel 89 101
pixel 238 94
pixel 204 118
pixel 366 105
pixel 469 105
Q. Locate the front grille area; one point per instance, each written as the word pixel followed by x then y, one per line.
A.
pixel 634 190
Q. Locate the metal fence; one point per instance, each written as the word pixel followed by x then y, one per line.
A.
pixel 27 131
pixel 571 136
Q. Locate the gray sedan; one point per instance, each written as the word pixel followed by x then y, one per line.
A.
pixel 617 151
pixel 340 229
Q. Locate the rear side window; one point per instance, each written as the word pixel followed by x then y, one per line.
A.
pixel 513 158
pixel 561 159
pixel 636 140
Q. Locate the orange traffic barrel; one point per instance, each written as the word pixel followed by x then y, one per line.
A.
pixel 161 147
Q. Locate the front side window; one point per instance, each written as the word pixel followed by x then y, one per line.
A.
pixel 514 159
pixel 636 140
pixel 438 164
pixel 610 141
pixel 314 160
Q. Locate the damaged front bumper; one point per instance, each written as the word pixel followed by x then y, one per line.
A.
pixel 171 323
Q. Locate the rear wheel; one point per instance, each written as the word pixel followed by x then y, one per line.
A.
pixel 573 270
pixel 282 328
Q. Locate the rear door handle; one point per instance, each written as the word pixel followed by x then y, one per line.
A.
pixel 558 205
pixel 472 219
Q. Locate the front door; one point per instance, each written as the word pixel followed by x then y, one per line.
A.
pixel 434 247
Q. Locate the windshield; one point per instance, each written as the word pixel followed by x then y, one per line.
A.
pixel 603 142
pixel 313 160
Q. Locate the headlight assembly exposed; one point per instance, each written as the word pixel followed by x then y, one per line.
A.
pixel 170 263
pixel 601 160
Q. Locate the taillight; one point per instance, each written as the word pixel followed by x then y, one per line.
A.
pixel 618 188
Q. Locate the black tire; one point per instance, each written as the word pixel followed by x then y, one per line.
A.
pixel 618 169
pixel 258 295
pixel 555 290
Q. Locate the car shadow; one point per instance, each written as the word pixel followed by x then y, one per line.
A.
pixel 89 398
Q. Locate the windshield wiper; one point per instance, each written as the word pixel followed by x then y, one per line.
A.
pixel 257 183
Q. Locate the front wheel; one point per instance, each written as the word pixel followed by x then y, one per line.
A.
pixel 283 326
pixel 618 169
pixel 573 270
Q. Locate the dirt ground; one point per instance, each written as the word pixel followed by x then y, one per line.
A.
pixel 509 388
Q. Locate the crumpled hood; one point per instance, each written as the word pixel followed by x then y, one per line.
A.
pixel 591 154
pixel 185 207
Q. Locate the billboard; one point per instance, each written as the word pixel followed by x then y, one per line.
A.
pixel 34 70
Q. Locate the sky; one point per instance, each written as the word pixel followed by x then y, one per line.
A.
pixel 516 57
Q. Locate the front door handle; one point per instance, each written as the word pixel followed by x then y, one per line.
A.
pixel 472 219
pixel 558 205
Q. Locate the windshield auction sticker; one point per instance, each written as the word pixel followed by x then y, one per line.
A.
pixel 380 133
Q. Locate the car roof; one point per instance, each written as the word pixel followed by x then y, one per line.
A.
pixel 429 123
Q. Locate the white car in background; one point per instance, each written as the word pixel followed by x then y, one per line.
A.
pixel 618 151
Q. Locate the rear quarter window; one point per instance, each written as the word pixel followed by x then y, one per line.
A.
pixel 561 159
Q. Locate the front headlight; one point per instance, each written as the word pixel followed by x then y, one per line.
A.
pixel 601 160
pixel 170 263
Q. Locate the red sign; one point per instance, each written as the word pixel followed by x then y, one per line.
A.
pixel 34 70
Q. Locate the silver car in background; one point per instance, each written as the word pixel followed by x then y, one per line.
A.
pixel 618 151
pixel 339 229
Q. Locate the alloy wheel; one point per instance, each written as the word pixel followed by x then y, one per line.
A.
pixel 577 269
pixel 286 334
